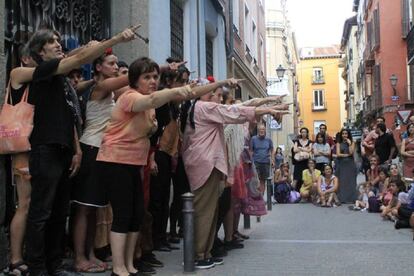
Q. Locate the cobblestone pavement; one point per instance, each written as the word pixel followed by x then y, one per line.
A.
pixel 302 239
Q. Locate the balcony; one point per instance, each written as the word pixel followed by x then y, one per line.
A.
pixel 318 80
pixel 369 57
pixel 319 107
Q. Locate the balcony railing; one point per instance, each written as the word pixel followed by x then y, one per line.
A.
pixel 319 107
pixel 318 80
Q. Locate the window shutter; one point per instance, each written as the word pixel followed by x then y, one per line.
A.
pixel 405 17
pixel 377 85
pixel 376 28
pixel 177 29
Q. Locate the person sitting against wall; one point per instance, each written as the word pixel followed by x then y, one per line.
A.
pixel 328 187
pixel 310 178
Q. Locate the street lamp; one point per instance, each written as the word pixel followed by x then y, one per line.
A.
pixel 280 71
pixel 393 81
pixel 358 106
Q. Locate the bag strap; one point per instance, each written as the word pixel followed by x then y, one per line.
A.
pixel 25 94
pixel 8 88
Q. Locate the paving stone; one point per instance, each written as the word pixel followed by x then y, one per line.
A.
pixel 302 239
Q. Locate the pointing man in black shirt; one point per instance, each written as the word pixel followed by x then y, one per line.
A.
pixel 54 155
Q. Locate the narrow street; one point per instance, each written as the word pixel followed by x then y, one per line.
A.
pixel 302 239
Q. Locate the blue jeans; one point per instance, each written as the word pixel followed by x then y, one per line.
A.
pixel 49 167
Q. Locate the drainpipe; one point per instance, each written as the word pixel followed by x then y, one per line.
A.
pixel 230 55
pixel 231 30
pixel 198 40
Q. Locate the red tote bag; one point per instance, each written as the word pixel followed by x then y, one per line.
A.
pixel 16 124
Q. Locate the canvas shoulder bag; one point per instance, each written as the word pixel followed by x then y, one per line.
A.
pixel 16 124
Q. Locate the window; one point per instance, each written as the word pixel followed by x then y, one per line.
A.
pixel 209 56
pixel 254 40
pixel 376 30
pixel 247 27
pixel 318 100
pixel 316 125
pixel 377 91
pixel 411 71
pixel 318 75
pixel 262 53
pixel 236 12
pixel 177 27
pixel 407 16
pixel 238 93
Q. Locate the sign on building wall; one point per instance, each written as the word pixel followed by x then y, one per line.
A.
pixel 279 88
pixel 274 125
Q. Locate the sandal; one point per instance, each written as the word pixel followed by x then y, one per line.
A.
pixel 19 269
pixel 104 265
pixel 90 268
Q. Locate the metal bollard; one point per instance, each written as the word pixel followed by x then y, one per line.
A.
pixel 269 188
pixel 246 220
pixel 188 220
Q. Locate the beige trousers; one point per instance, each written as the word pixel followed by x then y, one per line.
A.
pixel 206 213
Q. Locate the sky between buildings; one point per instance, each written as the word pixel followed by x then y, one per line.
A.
pixel 317 22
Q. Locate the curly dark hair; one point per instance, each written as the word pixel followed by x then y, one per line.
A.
pixel 340 140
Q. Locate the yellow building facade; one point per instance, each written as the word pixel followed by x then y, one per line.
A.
pixel 321 91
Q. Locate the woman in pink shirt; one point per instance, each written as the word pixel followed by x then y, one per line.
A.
pixel 124 151
pixel 205 163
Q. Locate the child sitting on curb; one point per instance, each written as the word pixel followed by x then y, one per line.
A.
pixel 371 189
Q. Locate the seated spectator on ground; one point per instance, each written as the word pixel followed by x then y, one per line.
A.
pixel 282 183
pixel 372 175
pixel 405 211
pixel 366 190
pixel 328 187
pixel 395 187
pixel 310 179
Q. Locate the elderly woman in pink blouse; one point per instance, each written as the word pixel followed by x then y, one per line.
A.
pixel 203 153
